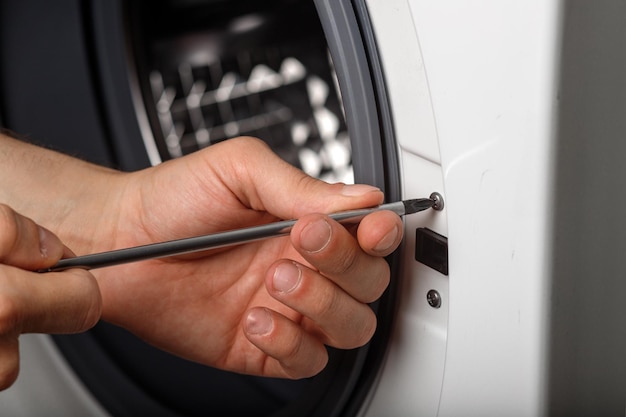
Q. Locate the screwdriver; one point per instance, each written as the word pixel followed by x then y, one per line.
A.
pixel 229 238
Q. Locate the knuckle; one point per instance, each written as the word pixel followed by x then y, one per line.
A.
pixel 92 314
pixel 293 348
pixel 250 144
pixel 357 331
pixel 380 282
pixel 326 306
pixel 347 261
pixel 368 330
pixel 92 307
pixel 293 365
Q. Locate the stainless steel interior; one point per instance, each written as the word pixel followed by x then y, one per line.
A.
pixel 248 77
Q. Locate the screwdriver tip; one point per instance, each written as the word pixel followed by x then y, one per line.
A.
pixel 417 204
pixel 435 201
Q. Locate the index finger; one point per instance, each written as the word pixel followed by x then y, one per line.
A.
pixel 55 302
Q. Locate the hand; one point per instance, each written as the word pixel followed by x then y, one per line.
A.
pixel 30 302
pixel 265 308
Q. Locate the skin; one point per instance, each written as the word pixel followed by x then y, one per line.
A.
pixel 265 308
pixel 32 302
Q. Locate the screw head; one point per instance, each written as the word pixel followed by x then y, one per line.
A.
pixel 438 198
pixel 434 298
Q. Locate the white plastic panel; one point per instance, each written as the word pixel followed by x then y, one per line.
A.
pixel 474 82
pixel 408 88
pixel 414 369
pixel 493 89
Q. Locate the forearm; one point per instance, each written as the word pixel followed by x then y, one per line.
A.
pixel 62 193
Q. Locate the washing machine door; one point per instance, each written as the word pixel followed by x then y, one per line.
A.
pixel 104 58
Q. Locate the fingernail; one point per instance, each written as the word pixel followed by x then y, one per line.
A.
pixel 286 278
pixel 259 322
pixel 387 242
pixel 315 236
pixel 43 238
pixel 356 190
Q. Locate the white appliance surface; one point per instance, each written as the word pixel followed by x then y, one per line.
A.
pixel 474 91
pixel 471 91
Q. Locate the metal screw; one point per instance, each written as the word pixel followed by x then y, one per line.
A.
pixel 438 198
pixel 434 298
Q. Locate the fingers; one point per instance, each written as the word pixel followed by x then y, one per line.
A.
pixel 330 298
pixel 267 183
pixel 66 302
pixel 331 314
pixel 293 353
pixel 354 265
pixel 379 234
pixel 60 302
pixel 25 244
pixel 30 302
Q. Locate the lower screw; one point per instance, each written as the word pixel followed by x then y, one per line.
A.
pixel 434 298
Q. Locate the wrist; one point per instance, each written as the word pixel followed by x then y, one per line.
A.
pixel 64 194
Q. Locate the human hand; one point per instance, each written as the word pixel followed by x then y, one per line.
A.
pixel 30 302
pixel 265 308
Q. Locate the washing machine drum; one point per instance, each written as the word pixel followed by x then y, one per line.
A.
pixel 301 76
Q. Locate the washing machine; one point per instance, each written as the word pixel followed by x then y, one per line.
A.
pixel 508 302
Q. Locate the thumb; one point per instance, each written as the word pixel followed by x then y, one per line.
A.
pixel 270 184
pixel 25 244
